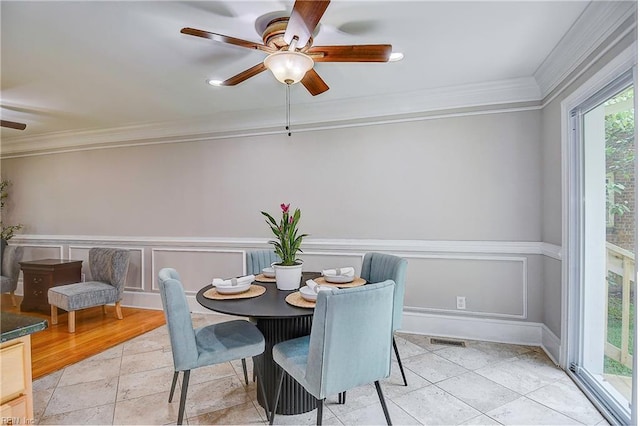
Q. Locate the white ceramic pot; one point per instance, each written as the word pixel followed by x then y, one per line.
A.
pixel 288 277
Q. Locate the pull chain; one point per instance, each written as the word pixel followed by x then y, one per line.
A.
pixel 288 127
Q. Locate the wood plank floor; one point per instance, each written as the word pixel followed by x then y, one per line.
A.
pixel 55 348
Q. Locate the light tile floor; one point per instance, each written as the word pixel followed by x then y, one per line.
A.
pixel 482 383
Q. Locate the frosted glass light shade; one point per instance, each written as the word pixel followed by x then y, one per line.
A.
pixel 288 67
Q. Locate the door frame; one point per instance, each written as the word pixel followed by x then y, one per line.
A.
pixel 571 250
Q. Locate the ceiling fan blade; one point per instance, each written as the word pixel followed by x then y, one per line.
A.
pixel 227 39
pixel 12 125
pixel 314 83
pixel 355 53
pixel 303 20
pixel 244 75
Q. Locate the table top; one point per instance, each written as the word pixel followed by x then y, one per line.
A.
pixel 49 262
pixel 270 304
pixel 15 325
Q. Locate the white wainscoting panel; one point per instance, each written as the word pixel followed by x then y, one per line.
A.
pixel 318 260
pixel 493 286
pixel 42 251
pixel 135 275
pixel 197 266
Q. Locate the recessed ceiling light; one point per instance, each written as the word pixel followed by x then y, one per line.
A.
pixel 396 56
pixel 215 82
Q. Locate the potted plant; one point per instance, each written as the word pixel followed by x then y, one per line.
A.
pixel 6 231
pixel 287 246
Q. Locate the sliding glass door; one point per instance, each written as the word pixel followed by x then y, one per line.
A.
pixel 603 233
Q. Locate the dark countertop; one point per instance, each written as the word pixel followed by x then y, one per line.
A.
pixel 15 325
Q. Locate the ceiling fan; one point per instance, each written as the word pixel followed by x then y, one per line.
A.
pixel 289 43
pixel 12 125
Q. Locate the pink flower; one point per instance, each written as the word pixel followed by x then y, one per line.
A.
pixel 284 207
pixel 290 219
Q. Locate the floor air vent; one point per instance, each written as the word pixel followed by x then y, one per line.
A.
pixel 459 343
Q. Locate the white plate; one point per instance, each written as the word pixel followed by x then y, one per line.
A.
pixel 339 279
pixel 233 289
pixel 310 295
pixel 269 272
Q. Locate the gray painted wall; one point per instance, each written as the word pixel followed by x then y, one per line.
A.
pixel 464 178
pixel 475 177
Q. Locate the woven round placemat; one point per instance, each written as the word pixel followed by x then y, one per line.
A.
pixel 254 291
pixel 355 283
pixel 262 279
pixel 296 299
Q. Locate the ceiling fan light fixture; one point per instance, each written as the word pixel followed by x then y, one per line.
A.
pixel 215 82
pixel 288 67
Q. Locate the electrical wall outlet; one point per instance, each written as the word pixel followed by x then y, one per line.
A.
pixel 461 302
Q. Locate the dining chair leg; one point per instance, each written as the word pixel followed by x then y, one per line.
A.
pixel 257 370
pixel 319 406
pixel 342 397
pixel 54 314
pixel 395 348
pixel 173 385
pixel 276 396
pixel 383 403
pixel 183 395
pixel 71 321
pixel 244 370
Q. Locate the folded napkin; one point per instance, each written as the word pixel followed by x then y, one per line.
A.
pixel 315 287
pixel 346 271
pixel 218 282
pixel 312 285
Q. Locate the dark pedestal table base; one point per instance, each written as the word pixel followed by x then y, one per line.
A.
pixel 294 399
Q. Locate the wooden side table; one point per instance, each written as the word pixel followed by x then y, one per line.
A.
pixel 41 275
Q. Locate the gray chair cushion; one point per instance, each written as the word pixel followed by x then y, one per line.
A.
pixel 6 285
pixel 11 258
pixel 377 267
pixel 207 345
pixel 259 259
pixel 350 341
pixel 72 297
pixel 227 341
pixel 3 244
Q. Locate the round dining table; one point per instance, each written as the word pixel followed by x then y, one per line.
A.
pixel 278 321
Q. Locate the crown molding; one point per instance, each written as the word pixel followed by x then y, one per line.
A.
pixel 363 111
pixel 599 21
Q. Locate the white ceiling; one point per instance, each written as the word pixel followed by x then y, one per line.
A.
pixel 90 66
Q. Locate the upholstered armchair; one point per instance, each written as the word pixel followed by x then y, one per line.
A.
pixel 11 258
pixel 108 268
pixel 212 344
pixel 378 267
pixel 349 345
pixel 259 259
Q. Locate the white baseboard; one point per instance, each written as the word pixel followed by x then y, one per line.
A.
pixel 490 330
pixel 551 344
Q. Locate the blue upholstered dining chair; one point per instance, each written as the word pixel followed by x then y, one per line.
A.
pixel 259 259
pixel 10 270
pixel 108 268
pixel 349 345
pixel 378 267
pixel 212 344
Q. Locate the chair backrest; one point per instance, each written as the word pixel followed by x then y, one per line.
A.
pixel 176 312
pixel 259 259
pixel 378 267
pixel 11 258
pixel 109 265
pixel 350 343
